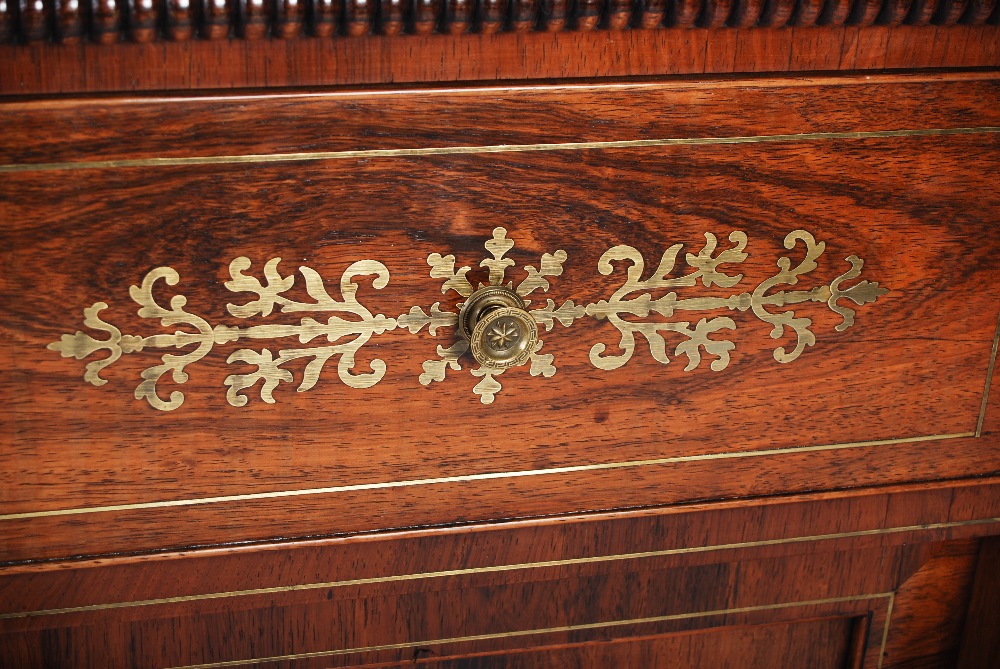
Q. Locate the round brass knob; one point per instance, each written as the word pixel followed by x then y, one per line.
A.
pixel 500 330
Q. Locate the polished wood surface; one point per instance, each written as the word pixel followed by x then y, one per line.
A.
pixel 82 130
pixel 980 641
pixel 931 608
pixel 40 68
pixel 838 510
pixel 560 588
pixel 858 408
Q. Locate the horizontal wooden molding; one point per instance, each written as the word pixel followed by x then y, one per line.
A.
pixel 143 21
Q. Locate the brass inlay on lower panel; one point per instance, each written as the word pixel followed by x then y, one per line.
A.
pixel 548 630
pixel 487 149
pixel 472 477
pixel 522 566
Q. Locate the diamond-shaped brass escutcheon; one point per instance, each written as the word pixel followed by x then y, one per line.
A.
pixel 501 332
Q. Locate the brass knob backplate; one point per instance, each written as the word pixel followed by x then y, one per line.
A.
pixel 501 332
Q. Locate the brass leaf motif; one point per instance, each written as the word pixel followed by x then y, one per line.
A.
pixel 361 325
pixel 634 299
pixel 649 307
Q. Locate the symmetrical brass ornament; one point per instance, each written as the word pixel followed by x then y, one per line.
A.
pixel 494 321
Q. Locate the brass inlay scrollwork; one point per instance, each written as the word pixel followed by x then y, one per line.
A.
pixel 640 306
pixel 706 270
pixel 269 295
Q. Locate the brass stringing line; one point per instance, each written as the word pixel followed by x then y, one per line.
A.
pixel 885 630
pixel 472 477
pixel 547 630
pixel 989 381
pixel 499 568
pixel 766 82
pixel 496 148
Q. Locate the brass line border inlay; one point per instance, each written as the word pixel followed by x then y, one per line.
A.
pixel 555 630
pixel 494 148
pixel 989 381
pixel 718 81
pixel 885 629
pixel 523 566
pixel 472 477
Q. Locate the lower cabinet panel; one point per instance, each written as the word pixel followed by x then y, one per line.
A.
pixel 818 644
pixel 807 581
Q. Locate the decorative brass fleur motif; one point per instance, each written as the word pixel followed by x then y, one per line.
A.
pixel 706 270
pixel 349 325
pixel 443 267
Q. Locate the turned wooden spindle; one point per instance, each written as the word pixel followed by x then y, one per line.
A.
pixel 217 18
pixel 523 15
pixel 180 20
pixel 492 14
pixel 746 13
pixel 588 14
pixel 619 14
pixel 458 16
pixel 979 11
pixel 807 12
pixel 683 13
pixel 864 12
pixel 254 17
pixel 324 17
pixel 715 13
pixel 34 23
pixel 950 12
pixel 776 13
pixel 554 14
pixel 289 16
pixel 392 19
pixel 652 14
pixel 142 20
pixel 426 14
pixel 835 12
pixel 68 21
pixel 108 22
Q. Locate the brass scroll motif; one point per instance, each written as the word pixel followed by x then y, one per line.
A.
pixel 269 295
pixel 349 325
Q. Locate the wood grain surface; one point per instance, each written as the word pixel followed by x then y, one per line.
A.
pixel 813 643
pixel 44 68
pixel 770 565
pixel 90 470
pixel 979 640
pixel 929 610
pixel 76 130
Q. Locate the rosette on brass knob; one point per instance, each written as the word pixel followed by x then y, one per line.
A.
pixel 501 332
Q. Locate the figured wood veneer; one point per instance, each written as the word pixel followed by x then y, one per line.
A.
pixel 861 407
pixel 836 511
pixel 553 588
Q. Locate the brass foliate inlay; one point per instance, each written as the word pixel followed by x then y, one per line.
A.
pixel 494 321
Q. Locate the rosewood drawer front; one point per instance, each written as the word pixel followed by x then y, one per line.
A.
pixel 234 319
